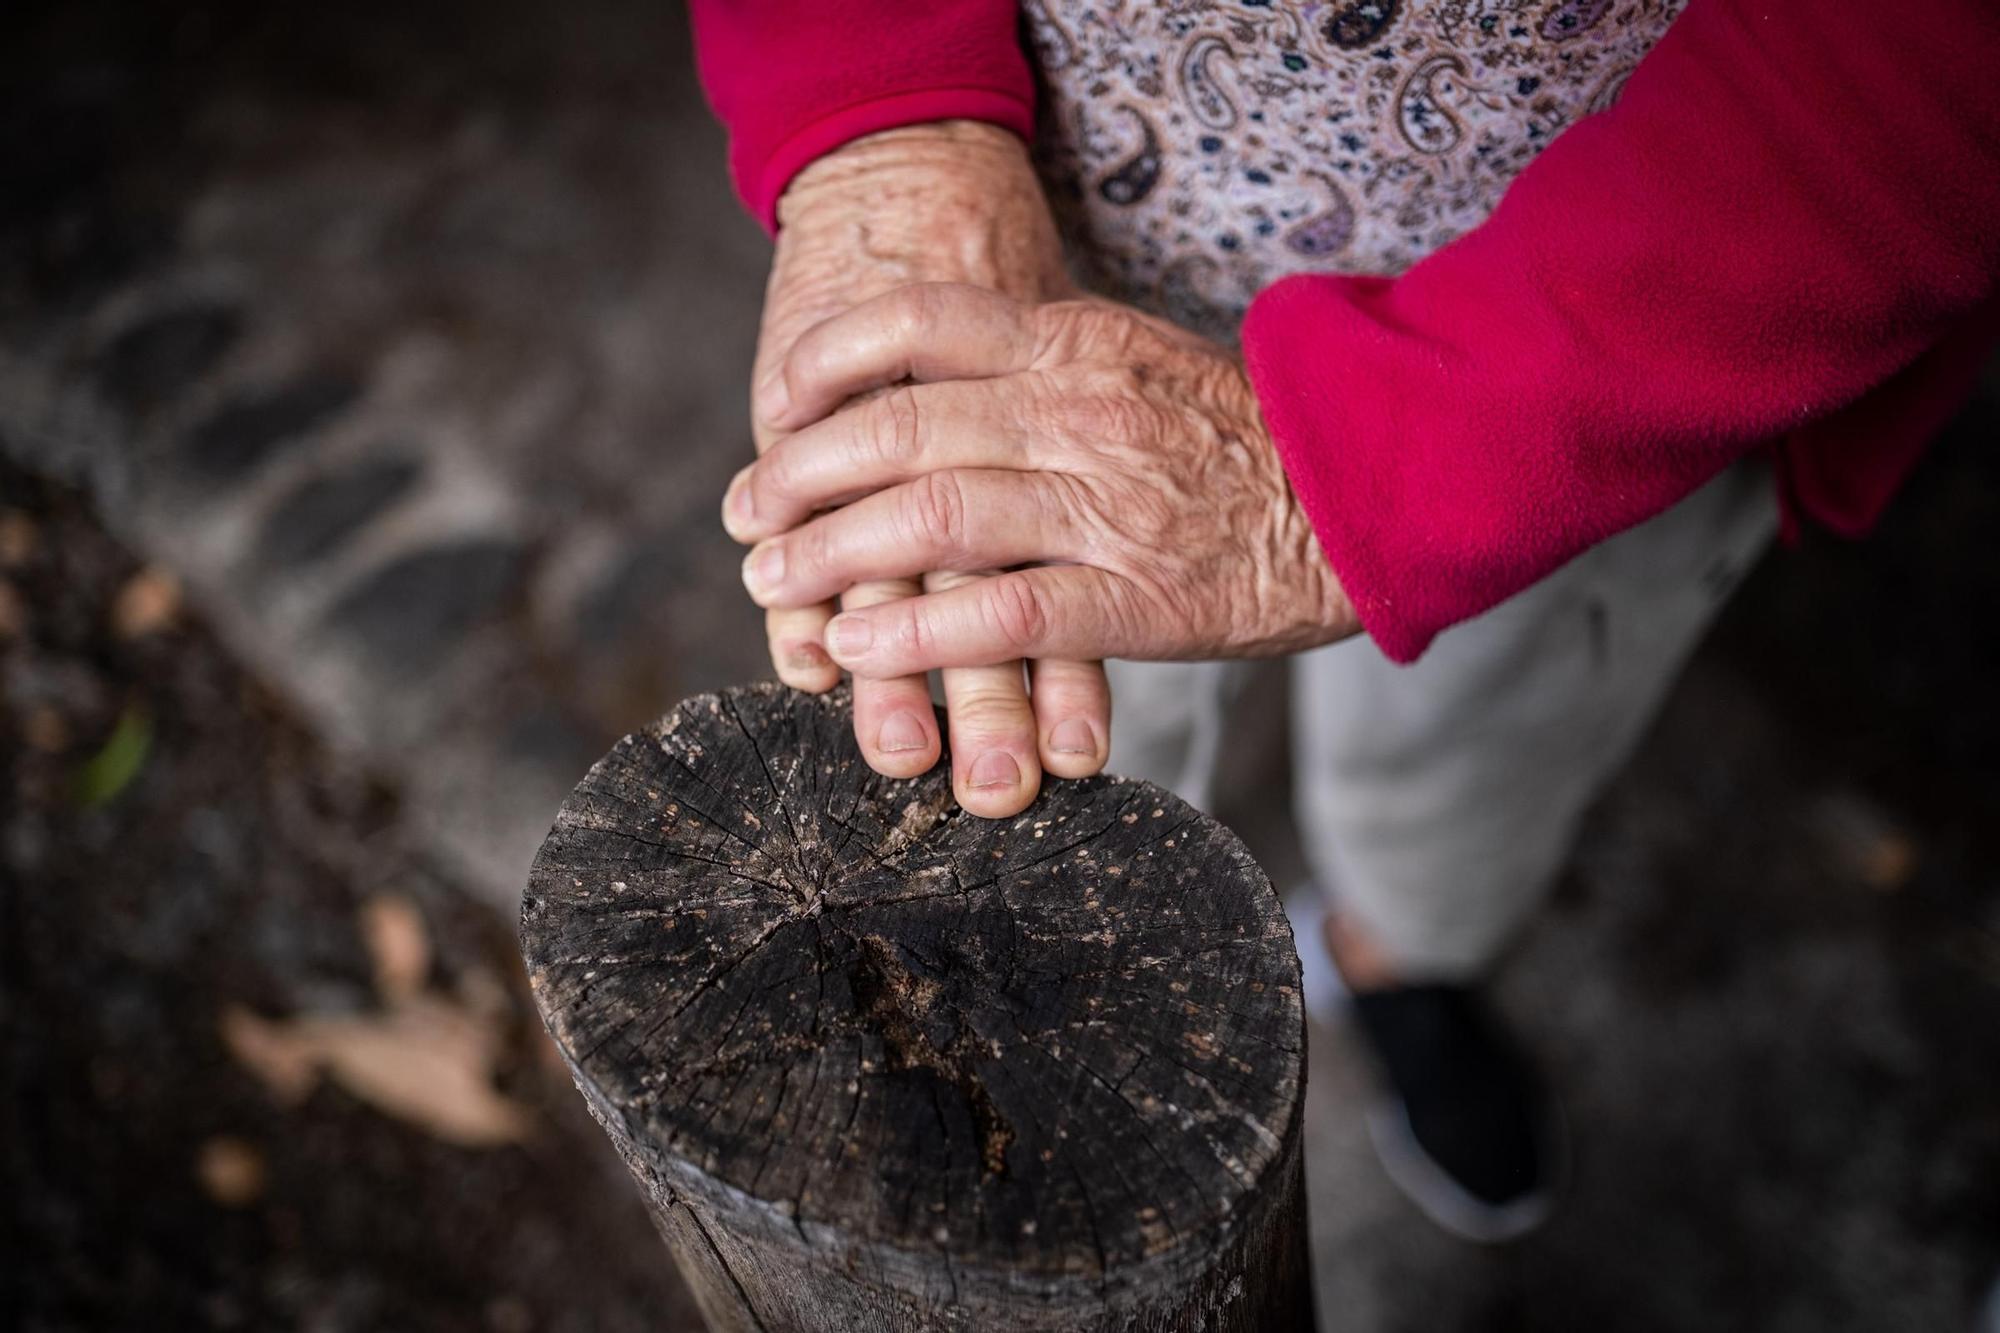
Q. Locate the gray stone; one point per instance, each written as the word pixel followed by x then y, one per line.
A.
pixel 76 259
pixel 632 598
pixel 317 518
pixel 414 610
pixel 247 430
pixel 148 363
pixel 549 741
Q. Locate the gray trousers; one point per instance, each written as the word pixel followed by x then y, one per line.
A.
pixel 1436 802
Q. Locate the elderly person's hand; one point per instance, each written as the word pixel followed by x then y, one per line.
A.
pixel 1116 464
pixel 957 202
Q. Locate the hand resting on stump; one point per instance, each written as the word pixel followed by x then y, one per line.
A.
pixel 953 201
pixel 1114 465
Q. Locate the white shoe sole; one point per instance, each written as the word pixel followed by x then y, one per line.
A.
pixel 1441 1199
pixel 1427 1185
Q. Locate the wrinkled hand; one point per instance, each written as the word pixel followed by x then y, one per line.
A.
pixel 1120 459
pixel 956 202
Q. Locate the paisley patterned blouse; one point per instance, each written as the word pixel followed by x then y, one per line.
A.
pixel 1781 239
pixel 1198 150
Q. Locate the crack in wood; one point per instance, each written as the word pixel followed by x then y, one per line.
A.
pixel 900 1005
pixel 1075 1059
pixel 742 1292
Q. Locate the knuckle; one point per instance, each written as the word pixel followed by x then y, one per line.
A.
pixel 989 711
pixel 804 364
pixel 773 476
pixel 1016 612
pixel 808 363
pixel 1073 687
pixel 898 428
pixel 809 552
pixel 937 511
pixel 914 633
pixel 914 311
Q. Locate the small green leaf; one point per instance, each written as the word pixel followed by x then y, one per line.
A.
pixel 113 767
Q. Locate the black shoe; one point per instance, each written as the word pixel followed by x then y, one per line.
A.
pixel 1471 1136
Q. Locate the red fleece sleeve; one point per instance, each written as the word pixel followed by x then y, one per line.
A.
pixel 794 79
pixel 1791 202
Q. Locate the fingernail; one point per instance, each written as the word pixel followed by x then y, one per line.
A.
pixel 995 768
pixel 764 568
pixel 807 657
pixel 739 507
pixel 902 732
pixel 849 636
pixel 1073 736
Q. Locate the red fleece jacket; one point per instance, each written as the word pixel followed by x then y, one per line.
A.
pixel 1785 235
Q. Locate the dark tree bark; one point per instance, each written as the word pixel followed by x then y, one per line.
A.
pixel 879 1064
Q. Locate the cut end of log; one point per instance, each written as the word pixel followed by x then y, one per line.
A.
pixel 1056 1058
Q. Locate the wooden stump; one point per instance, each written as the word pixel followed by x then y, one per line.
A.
pixel 879 1064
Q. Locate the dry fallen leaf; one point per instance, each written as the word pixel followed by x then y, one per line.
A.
pixel 148 602
pixel 231 1171
pixel 287 1067
pixel 425 1061
pixel 393 930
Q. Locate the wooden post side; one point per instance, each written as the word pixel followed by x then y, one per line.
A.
pixel 878 1064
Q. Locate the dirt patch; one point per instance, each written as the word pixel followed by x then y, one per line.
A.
pixel 185 865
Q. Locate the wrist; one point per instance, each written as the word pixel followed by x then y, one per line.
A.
pixel 952 153
pixel 946 201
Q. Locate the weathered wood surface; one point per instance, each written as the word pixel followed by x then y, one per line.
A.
pixel 879 1064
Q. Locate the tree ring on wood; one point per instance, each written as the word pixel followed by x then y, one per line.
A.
pixel 1052 1063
